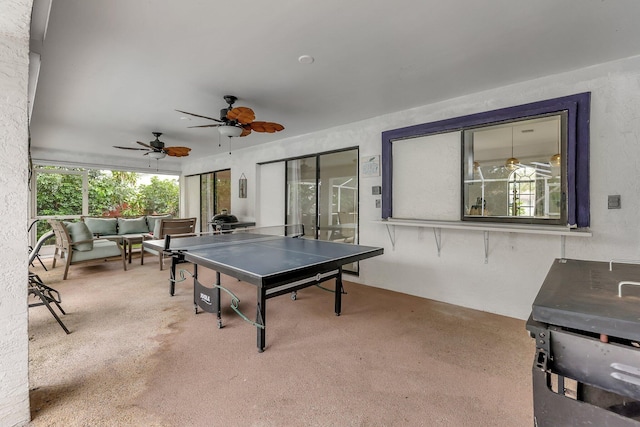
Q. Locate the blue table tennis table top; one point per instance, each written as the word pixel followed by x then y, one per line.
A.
pixel 261 259
pixel 274 264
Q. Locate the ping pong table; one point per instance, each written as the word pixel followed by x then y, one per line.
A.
pixel 276 265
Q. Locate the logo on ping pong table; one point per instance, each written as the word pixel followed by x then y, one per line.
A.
pixel 205 298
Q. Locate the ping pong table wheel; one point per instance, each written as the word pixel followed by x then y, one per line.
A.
pixel 294 295
pixel 219 324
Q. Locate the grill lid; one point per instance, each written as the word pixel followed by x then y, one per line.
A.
pixel 583 295
pixel 222 218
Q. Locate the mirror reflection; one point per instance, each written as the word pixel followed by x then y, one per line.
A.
pixel 514 172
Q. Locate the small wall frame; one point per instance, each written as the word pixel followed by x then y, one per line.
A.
pixel 242 187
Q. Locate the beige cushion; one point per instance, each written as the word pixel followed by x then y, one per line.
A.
pixel 79 231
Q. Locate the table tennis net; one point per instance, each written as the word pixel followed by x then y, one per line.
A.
pixel 289 230
pixel 181 241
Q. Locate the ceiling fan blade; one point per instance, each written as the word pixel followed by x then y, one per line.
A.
pixel 177 151
pixel 243 115
pixel 145 145
pixel 246 130
pixel 198 115
pixel 268 127
pixel 204 126
pixel 129 148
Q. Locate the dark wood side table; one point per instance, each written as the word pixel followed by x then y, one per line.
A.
pixel 129 241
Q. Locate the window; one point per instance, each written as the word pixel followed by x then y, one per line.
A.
pixel 514 171
pixel 522 192
pixel 70 193
pixel 558 196
pixel 60 192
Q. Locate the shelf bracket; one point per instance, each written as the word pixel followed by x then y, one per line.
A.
pixel 625 282
pixel 438 237
pixel 392 235
pixel 486 247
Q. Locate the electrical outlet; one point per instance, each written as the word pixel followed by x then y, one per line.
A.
pixel 376 189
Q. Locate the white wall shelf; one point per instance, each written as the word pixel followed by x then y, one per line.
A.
pixel 438 225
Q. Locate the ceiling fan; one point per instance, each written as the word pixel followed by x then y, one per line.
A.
pixel 237 121
pixel 156 149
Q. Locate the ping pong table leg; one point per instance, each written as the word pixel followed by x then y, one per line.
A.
pixel 195 278
pixel 338 293
pixel 172 275
pixel 261 318
pixel 217 298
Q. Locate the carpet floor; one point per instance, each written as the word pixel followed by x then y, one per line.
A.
pixel 139 357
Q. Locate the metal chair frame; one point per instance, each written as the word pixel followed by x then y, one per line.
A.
pixel 47 296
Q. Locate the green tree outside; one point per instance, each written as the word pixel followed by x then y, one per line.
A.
pixel 111 193
pixel 159 197
pixel 58 194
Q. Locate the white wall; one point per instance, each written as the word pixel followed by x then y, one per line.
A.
pixel 190 199
pixel 14 68
pixel 269 208
pixel 518 263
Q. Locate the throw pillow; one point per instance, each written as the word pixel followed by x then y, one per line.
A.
pixel 132 225
pixel 102 226
pixel 152 220
pixel 79 231
pixel 156 229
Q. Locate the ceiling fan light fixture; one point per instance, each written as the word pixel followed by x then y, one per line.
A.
pixel 512 162
pixel 556 159
pixel 157 155
pixel 230 131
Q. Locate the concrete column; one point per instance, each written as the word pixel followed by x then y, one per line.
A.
pixel 15 18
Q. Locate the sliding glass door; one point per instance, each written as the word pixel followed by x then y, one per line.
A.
pixel 301 194
pixel 215 195
pixel 322 194
pixel 338 198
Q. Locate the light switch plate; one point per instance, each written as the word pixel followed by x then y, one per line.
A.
pixel 614 202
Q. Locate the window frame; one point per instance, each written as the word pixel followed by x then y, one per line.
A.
pixel 84 173
pixel 468 146
pixel 578 108
pixel 213 176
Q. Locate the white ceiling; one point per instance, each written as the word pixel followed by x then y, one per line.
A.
pixel 113 71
